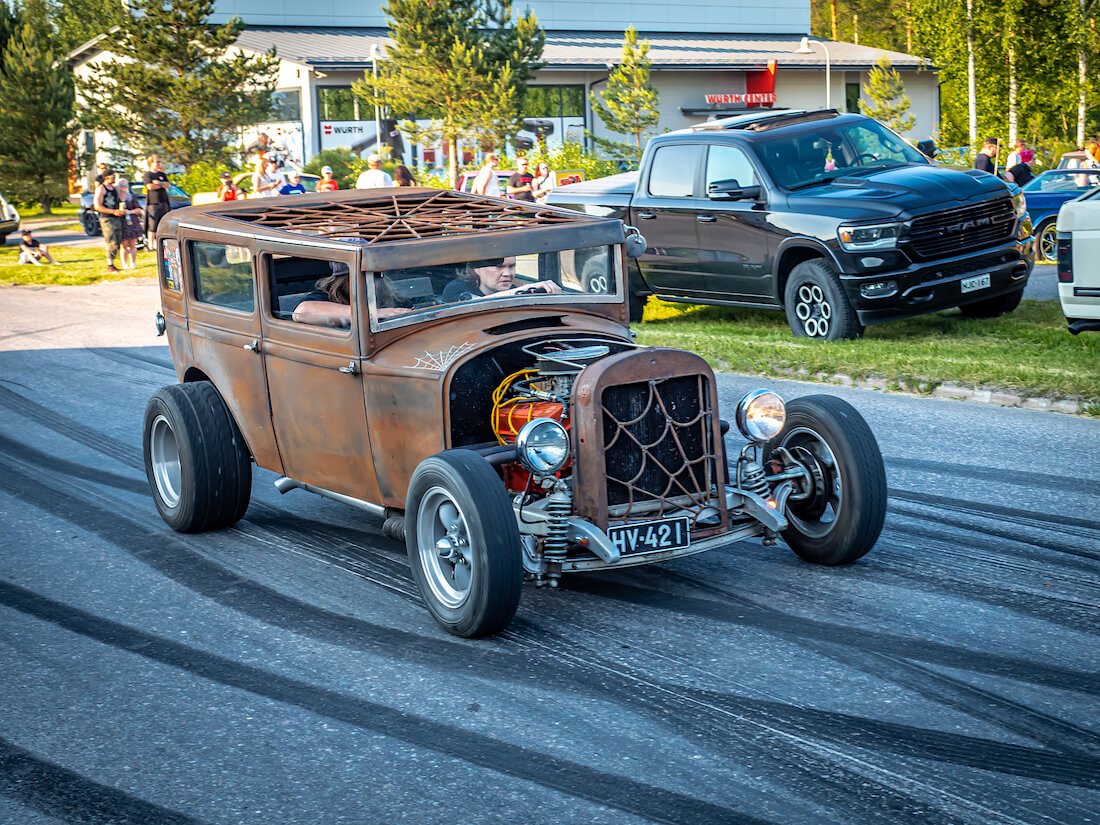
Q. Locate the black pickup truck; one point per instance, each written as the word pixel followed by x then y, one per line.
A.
pixel 831 217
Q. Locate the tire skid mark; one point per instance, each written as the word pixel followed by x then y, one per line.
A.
pixel 60 793
pixel 996 510
pixel 30 455
pixel 562 775
pixel 801 766
pixel 123 355
pixel 1020 478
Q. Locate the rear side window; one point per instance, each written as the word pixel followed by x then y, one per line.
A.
pixel 171 274
pixel 223 275
pixel 673 171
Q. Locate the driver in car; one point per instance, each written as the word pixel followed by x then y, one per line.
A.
pixel 492 278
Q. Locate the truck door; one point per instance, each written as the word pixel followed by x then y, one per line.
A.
pixel 735 245
pixel 314 372
pixel 664 210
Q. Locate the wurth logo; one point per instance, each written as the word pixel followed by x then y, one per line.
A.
pixel 328 129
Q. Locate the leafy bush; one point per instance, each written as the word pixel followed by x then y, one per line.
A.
pixel 573 156
pixel 345 166
pixel 202 177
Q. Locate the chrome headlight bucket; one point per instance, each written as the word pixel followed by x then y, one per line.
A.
pixel 542 446
pixel 761 415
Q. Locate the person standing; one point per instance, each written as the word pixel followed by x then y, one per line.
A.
pixel 268 180
pixel 519 185
pixel 229 191
pixel 132 228
pixel 157 203
pixel 486 182
pixel 374 177
pixel 1014 156
pixel 543 182
pixel 985 158
pixel 403 177
pixel 294 185
pixel 327 183
pixel 108 205
pixel 1021 173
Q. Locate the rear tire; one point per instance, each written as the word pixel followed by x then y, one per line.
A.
pixel 463 543
pixel 198 466
pixel 842 520
pixel 1046 242
pixel 636 304
pixel 816 305
pixel 992 307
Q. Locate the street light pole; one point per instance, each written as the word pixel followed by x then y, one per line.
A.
pixel 377 116
pixel 804 48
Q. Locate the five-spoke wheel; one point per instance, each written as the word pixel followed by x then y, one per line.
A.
pixel 816 305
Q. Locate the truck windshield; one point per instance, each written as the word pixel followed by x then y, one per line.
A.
pixel 402 296
pixel 831 151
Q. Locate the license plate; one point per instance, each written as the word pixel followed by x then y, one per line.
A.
pixel 650 536
pixel 975 283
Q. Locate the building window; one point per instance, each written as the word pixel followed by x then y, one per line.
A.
pixel 288 105
pixel 851 97
pixel 338 103
pixel 554 101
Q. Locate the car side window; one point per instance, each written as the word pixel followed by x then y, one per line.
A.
pixel 672 173
pixel 296 280
pixel 729 162
pixel 171 273
pixel 223 275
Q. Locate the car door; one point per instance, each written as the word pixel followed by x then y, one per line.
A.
pixel 736 247
pixel 314 373
pixel 666 215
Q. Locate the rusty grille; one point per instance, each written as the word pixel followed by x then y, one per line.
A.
pixel 399 217
pixel 956 231
pixel 658 452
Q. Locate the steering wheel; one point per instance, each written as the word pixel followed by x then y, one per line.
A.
pixel 534 290
pixel 856 161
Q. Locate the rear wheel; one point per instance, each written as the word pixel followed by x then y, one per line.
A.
pixel 463 543
pixel 91 224
pixel 636 304
pixel 992 307
pixel 1046 242
pixel 842 517
pixel 199 469
pixel 816 305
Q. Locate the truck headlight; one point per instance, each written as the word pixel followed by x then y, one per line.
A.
pixel 761 415
pixel 542 446
pixel 1020 204
pixel 864 238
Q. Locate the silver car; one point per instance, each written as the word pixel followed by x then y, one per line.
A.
pixel 9 220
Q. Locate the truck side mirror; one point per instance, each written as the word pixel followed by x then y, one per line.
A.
pixel 927 147
pixel 731 190
pixel 635 242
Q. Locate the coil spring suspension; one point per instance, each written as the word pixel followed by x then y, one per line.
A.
pixel 753 479
pixel 559 507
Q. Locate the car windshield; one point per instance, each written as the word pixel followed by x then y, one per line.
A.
pixel 1068 181
pixel 834 150
pixel 138 189
pixel 589 274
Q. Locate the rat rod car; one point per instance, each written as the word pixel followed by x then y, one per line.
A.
pixel 370 346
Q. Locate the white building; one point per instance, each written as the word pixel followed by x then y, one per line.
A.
pixel 709 58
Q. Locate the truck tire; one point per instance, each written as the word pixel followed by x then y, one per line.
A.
pixel 198 466
pixel 816 305
pixel 993 307
pixel 636 304
pixel 463 543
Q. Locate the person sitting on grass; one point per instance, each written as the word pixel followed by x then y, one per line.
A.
pixel 33 252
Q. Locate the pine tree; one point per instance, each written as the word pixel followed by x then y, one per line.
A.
pixel 78 21
pixel 890 103
pixel 629 104
pixel 36 120
pixel 177 88
pixel 9 24
pixel 461 63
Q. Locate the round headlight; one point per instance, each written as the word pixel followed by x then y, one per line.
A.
pixel 542 446
pixel 760 415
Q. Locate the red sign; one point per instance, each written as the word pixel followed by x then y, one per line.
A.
pixel 327 129
pixel 738 97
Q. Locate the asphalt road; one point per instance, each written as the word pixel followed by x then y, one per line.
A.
pixel 284 672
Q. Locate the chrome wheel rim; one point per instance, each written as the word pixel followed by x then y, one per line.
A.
pixel 823 524
pixel 597 285
pixel 164 455
pixel 813 310
pixel 1048 244
pixel 443 542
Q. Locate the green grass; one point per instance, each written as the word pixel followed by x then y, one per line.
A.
pixel 1028 351
pixel 79 265
pixel 31 213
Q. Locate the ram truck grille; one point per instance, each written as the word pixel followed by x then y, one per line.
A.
pixel 954 231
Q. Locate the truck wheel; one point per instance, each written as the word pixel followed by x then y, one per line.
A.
pixel 198 466
pixel 1046 242
pixel 843 516
pixel 816 305
pixel 91 224
pixel 992 307
pixel 463 543
pixel 636 304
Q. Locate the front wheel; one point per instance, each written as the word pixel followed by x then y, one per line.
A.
pixel 816 305
pixel 463 543
pixel 1046 242
pixel 91 224
pixel 841 518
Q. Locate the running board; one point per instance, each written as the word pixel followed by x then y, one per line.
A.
pixel 284 485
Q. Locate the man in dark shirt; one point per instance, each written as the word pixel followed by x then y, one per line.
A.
pixel 984 161
pixel 157 203
pixel 519 185
pixel 101 170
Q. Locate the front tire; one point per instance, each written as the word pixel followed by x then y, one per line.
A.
pixel 843 517
pixel 816 305
pixel 463 544
pixel 993 307
pixel 1046 242
pixel 91 224
pixel 198 466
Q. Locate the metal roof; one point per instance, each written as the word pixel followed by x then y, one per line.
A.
pixel 349 49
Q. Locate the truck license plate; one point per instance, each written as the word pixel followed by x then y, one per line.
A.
pixel 650 536
pixel 975 283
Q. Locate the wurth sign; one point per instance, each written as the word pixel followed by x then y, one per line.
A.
pixel 744 98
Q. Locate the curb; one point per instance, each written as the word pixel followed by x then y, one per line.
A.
pixel 950 392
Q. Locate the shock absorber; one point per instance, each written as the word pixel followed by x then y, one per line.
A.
pixel 752 478
pixel 559 507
